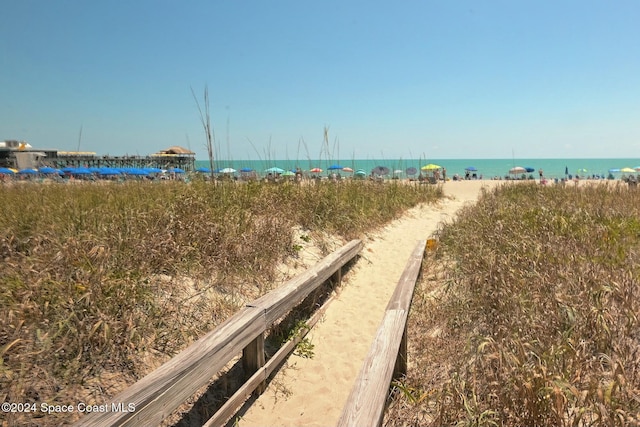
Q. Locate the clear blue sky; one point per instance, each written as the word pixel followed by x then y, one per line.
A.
pixel 436 79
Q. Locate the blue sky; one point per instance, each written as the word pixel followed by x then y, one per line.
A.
pixel 434 79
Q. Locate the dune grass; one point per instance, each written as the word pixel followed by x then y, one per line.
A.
pixel 93 278
pixel 527 314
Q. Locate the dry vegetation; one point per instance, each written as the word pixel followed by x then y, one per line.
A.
pixel 528 314
pixel 94 278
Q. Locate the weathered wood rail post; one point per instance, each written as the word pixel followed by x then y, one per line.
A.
pixel 387 358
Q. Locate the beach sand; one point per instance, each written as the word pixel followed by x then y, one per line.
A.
pixel 313 391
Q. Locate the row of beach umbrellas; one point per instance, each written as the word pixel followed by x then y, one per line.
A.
pixel 105 171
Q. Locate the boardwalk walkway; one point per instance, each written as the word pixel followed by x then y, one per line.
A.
pixel 312 392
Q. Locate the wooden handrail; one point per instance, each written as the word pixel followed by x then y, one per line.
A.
pixel 387 357
pixel 158 394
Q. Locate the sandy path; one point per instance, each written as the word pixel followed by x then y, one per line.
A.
pixel 312 392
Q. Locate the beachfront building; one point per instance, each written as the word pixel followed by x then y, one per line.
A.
pixel 21 155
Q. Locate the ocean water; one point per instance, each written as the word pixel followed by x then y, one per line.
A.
pixel 487 168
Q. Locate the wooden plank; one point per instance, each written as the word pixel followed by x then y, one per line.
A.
pixel 253 360
pixel 278 302
pixel 230 407
pixel 388 354
pixel 366 403
pixel 400 369
pixel 403 294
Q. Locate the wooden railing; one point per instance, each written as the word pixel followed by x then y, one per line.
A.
pixel 158 394
pixel 387 358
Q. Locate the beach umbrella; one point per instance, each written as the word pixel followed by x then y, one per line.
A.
pixel 48 170
pixel 246 170
pixel 397 171
pixel 152 170
pixel 637 168
pixel 6 171
pixel 204 170
pixel 471 169
pixel 288 173
pixel 529 169
pixel 81 171
pixel 136 172
pixel 430 167
pixel 227 170
pixel 274 170
pixel 177 170
pixel 68 169
pixel 517 170
pixel 627 170
pixel 94 169
pixel 581 170
pixel 360 172
pixel 412 171
pixel 315 170
pixel 347 169
pixel 380 170
pixel 109 171
pixel 614 170
pixel 27 172
pixel 335 167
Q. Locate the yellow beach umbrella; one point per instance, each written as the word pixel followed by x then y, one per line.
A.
pixel 430 167
pixel 627 170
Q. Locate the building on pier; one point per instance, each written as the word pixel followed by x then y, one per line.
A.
pixel 21 155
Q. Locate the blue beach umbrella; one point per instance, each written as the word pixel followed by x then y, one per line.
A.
pixel 529 169
pixel 48 170
pixel 203 170
pixel 152 170
pixel 81 171
pixel 136 172
pixel 27 172
pixel 109 171
pixel 68 169
pixel 177 170
pixel 471 169
pixel 6 171
pixel 333 167
pixel 246 170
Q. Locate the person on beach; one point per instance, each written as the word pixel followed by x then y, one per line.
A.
pixel 444 174
pixel 541 173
